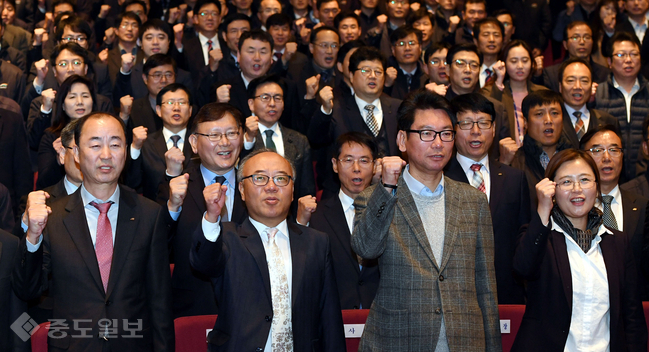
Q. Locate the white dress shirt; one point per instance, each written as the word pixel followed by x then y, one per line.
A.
pixel 166 134
pixel 277 138
pixel 212 232
pixel 204 46
pixel 483 73
pixel 348 209
pixel 69 186
pixel 591 311
pixel 639 28
pixel 627 96
pixel 378 111
pixel 616 206
pixel 585 116
pixel 466 163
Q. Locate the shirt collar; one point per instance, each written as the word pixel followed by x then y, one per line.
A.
pixel 87 197
pixel 636 85
pixel 282 228
pixel 412 73
pixel 69 186
pixel 208 176
pixel 245 81
pixel 466 162
pixel 204 39
pixel 602 230
pixel 345 200
pixel 570 110
pixel 637 25
pixel 263 128
pixel 615 192
pixel 362 103
pixel 419 188
pixel 167 134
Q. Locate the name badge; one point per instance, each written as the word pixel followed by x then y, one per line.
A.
pixel 505 326
pixel 354 330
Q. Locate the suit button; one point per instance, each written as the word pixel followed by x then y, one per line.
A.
pixel 259 349
pixel 441 278
pixel 108 303
pixel 267 318
pixel 360 282
pixel 382 207
pixel 438 311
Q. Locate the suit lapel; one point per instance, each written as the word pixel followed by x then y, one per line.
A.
pixel 497 178
pixel 77 226
pixel 630 213
pixel 452 207
pixel 238 207
pixel 558 241
pixel 390 124
pixel 299 246
pixel 338 222
pixel 160 145
pixel 195 188
pixel 290 151
pixel 127 220
pixel 251 239
pixel 611 262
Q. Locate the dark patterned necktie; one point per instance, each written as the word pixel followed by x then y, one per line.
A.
pixel 224 211
pixel 175 138
pixel 371 121
pixel 608 217
pixel 579 125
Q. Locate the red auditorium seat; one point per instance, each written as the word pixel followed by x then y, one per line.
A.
pixel 191 332
pixel 39 338
pixel 513 313
pixel 354 316
pixel 645 306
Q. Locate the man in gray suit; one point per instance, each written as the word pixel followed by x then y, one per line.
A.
pixel 434 242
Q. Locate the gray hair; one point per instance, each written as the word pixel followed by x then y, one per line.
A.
pixel 242 163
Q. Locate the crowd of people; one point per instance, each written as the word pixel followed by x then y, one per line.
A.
pixel 423 159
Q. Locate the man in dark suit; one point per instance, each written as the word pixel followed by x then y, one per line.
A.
pixel 505 187
pixel 288 299
pixel 18 38
pixel 406 50
pixel 16 173
pixel 147 157
pixel 623 210
pixel 579 44
pixel 263 130
pixel 228 67
pixel 127 32
pixel 106 249
pixel 353 162
pixel 576 88
pixel 217 139
pixel 10 306
pixel 197 48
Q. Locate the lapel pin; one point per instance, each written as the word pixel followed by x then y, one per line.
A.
pixel 132 219
pixel 634 209
pixel 500 174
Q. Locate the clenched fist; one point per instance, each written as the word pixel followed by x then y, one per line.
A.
pixel 390 76
pixel 215 56
pixel 125 105
pixel 327 98
pixel 128 61
pixel 36 215
pixel 223 93
pixel 305 207
pixel 139 136
pixel 391 169
pixel 174 159
pixel 508 148
pixel 103 56
pixel 177 192
pixel 48 99
pixel 312 85
pixel 42 67
pixel 439 89
pixel 252 126
pixel 214 195
pixel 545 191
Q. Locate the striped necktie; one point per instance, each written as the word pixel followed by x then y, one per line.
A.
pixel 579 125
pixel 370 120
pixel 478 180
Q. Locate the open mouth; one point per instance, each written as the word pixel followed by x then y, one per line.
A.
pixel 467 80
pixel 226 154
pixel 80 111
pixel 475 144
pixel 357 181
pixel 548 132
pixel 329 60
pixel 578 201
pixel 372 85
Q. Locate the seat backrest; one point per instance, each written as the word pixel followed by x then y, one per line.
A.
pixel 512 315
pixel 39 337
pixel 191 332
pixel 354 320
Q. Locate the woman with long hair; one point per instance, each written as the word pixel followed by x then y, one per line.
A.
pixel 603 26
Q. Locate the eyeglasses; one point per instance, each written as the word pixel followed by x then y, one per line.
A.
pixel 438 62
pixel 170 103
pixel 269 10
pixel 262 180
pixel 506 24
pixel 410 43
pixel 367 71
pixel 330 12
pixel 397 2
pixel 74 63
pixel 217 136
pixel 585 38
pixel 569 185
pixel 363 161
pixel 326 46
pixel 132 25
pixel 633 55
pixel 430 135
pixel 461 64
pixel 599 152
pixel 78 40
pixel 206 14
pixel 468 124
pixel 278 98
pixel 158 75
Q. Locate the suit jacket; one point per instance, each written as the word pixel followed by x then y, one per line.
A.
pixel 115 61
pixel 551 74
pixel 415 287
pixel 7 218
pixel 356 287
pixel 542 259
pixel 193 53
pixel 18 38
pixel 16 172
pixel 12 81
pixel 139 284
pixel 634 208
pixel 13 55
pixel 400 88
pixel 510 209
pixel 10 306
pixel 149 170
pixel 246 310
pixel 192 291
pixel 143 115
pixel 133 84
pixel 598 118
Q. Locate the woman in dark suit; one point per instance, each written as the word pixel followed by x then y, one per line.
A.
pixel 582 293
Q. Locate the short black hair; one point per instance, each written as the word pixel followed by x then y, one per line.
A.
pixel 278 19
pixel 571 61
pixel 76 24
pixel 128 3
pixel 231 17
pixel 314 33
pixel 172 88
pixel 130 15
pixel 95 115
pixel 458 48
pixel 422 99
pixel 260 81
pixel 360 138
pixel 214 112
pixel 403 32
pixel 56 3
pixel 540 98
pixel 590 134
pixel 572 25
pixel 347 47
pixel 622 37
pixel 156 23
pixel 346 14
pixel 60 117
pixel 473 102
pixel 72 47
pixel 158 60
pixel 256 34
pixel 201 3
pixel 486 20
pixel 433 48
pixel 415 16
pixel 484 2
pixel 365 53
pixel 319 3
pixel 504 12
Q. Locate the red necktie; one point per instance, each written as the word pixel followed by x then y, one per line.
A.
pixel 209 45
pixel 278 56
pixel 104 242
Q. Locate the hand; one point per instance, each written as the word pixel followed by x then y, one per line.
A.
pixel 536 52
pixel 415 6
pixel 382 20
pixel 378 170
pixel 139 136
pixel 593 91
pixel 215 56
pixel 42 67
pixel 305 34
pixel 289 51
pixel 609 23
pixel 545 191
pixel 440 89
pixel 48 98
pixel 103 11
pixel 214 195
pixel 570 7
pixel 327 98
pixel 39 34
pixel 500 70
pixel 390 76
pixel 252 126
pixel 174 15
pixel 223 93
pixel 539 66
pixel 58 147
pixel 128 61
pixel 109 35
pixel 312 85
pixel 125 104
pixel 49 20
pixel 305 207
pixel 177 192
pixel 391 169
pixel 453 22
pixel 357 12
pixel 174 158
pixel 508 148
pixel 103 56
pixel 179 30
pixel 36 215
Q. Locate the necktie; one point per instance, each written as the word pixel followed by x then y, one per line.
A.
pixel 175 138
pixel 409 79
pixel 224 211
pixel 209 45
pixel 325 75
pixel 281 326
pixel 478 180
pixel 370 120
pixel 269 140
pixel 104 242
pixel 490 75
pixel 278 56
pixel 579 125
pixel 609 217
pixel 544 159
